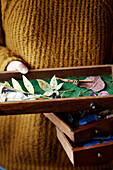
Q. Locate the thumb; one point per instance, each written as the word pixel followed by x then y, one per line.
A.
pixel 22 68
pixel 17 66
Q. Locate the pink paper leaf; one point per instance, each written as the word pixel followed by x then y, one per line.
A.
pixel 103 93
pixel 96 85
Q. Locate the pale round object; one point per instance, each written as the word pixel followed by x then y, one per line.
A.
pixel 103 93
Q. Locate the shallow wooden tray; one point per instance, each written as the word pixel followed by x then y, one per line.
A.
pixel 57 105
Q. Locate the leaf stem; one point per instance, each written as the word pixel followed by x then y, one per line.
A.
pixel 65 92
pixel 65 80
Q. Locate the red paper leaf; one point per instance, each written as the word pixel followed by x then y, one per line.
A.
pixel 96 85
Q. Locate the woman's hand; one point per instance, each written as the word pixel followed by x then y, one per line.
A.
pixel 17 66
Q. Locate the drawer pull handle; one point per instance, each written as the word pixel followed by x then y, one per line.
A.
pixel 99 155
pixel 92 105
pixel 97 131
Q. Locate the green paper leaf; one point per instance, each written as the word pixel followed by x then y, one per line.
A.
pixel 44 85
pixel 28 85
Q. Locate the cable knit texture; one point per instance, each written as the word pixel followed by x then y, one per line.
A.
pixel 44 34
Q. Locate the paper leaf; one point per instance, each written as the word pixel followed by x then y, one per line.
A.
pixel 3 97
pixel 28 85
pixel 1 88
pixel 57 93
pixel 44 85
pixel 59 86
pixel 15 96
pixel 81 93
pixel 103 93
pixel 96 85
pixel 7 84
pixel 53 82
pixel 48 93
pixel 16 85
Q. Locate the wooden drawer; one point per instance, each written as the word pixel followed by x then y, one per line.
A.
pixel 89 155
pixel 62 104
pixel 85 132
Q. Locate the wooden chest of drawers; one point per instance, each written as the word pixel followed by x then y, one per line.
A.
pixel 70 138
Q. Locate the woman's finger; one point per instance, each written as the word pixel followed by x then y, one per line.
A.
pixel 17 66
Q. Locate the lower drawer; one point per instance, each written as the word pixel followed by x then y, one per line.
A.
pixel 82 133
pixel 88 155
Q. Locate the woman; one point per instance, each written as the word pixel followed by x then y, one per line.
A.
pixel 45 34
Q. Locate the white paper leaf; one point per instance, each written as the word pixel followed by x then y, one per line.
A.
pixel 28 85
pixel 16 85
pixel 3 97
pixel 19 96
pixel 7 84
pixel 53 82
pixel 44 85
pixel 15 96
pixel 57 93
pixel 1 88
pixel 48 93
pixel 32 97
pixel 59 86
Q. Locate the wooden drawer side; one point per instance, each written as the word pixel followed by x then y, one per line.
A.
pixel 66 145
pixel 60 124
pixel 61 72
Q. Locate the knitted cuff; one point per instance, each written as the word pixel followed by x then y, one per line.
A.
pixel 6 56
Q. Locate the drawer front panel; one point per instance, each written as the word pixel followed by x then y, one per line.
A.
pixel 94 155
pixel 93 130
pixel 85 132
pixel 89 155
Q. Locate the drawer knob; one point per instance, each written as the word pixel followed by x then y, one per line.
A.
pixel 97 131
pixel 92 105
pixel 99 155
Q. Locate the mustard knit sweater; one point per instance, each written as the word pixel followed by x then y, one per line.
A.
pixel 42 34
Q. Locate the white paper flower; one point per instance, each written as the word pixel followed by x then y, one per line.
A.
pixel 15 96
pixel 51 88
pixel 32 97
pixel 2 97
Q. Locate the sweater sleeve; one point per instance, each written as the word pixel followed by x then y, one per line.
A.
pixel 6 55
